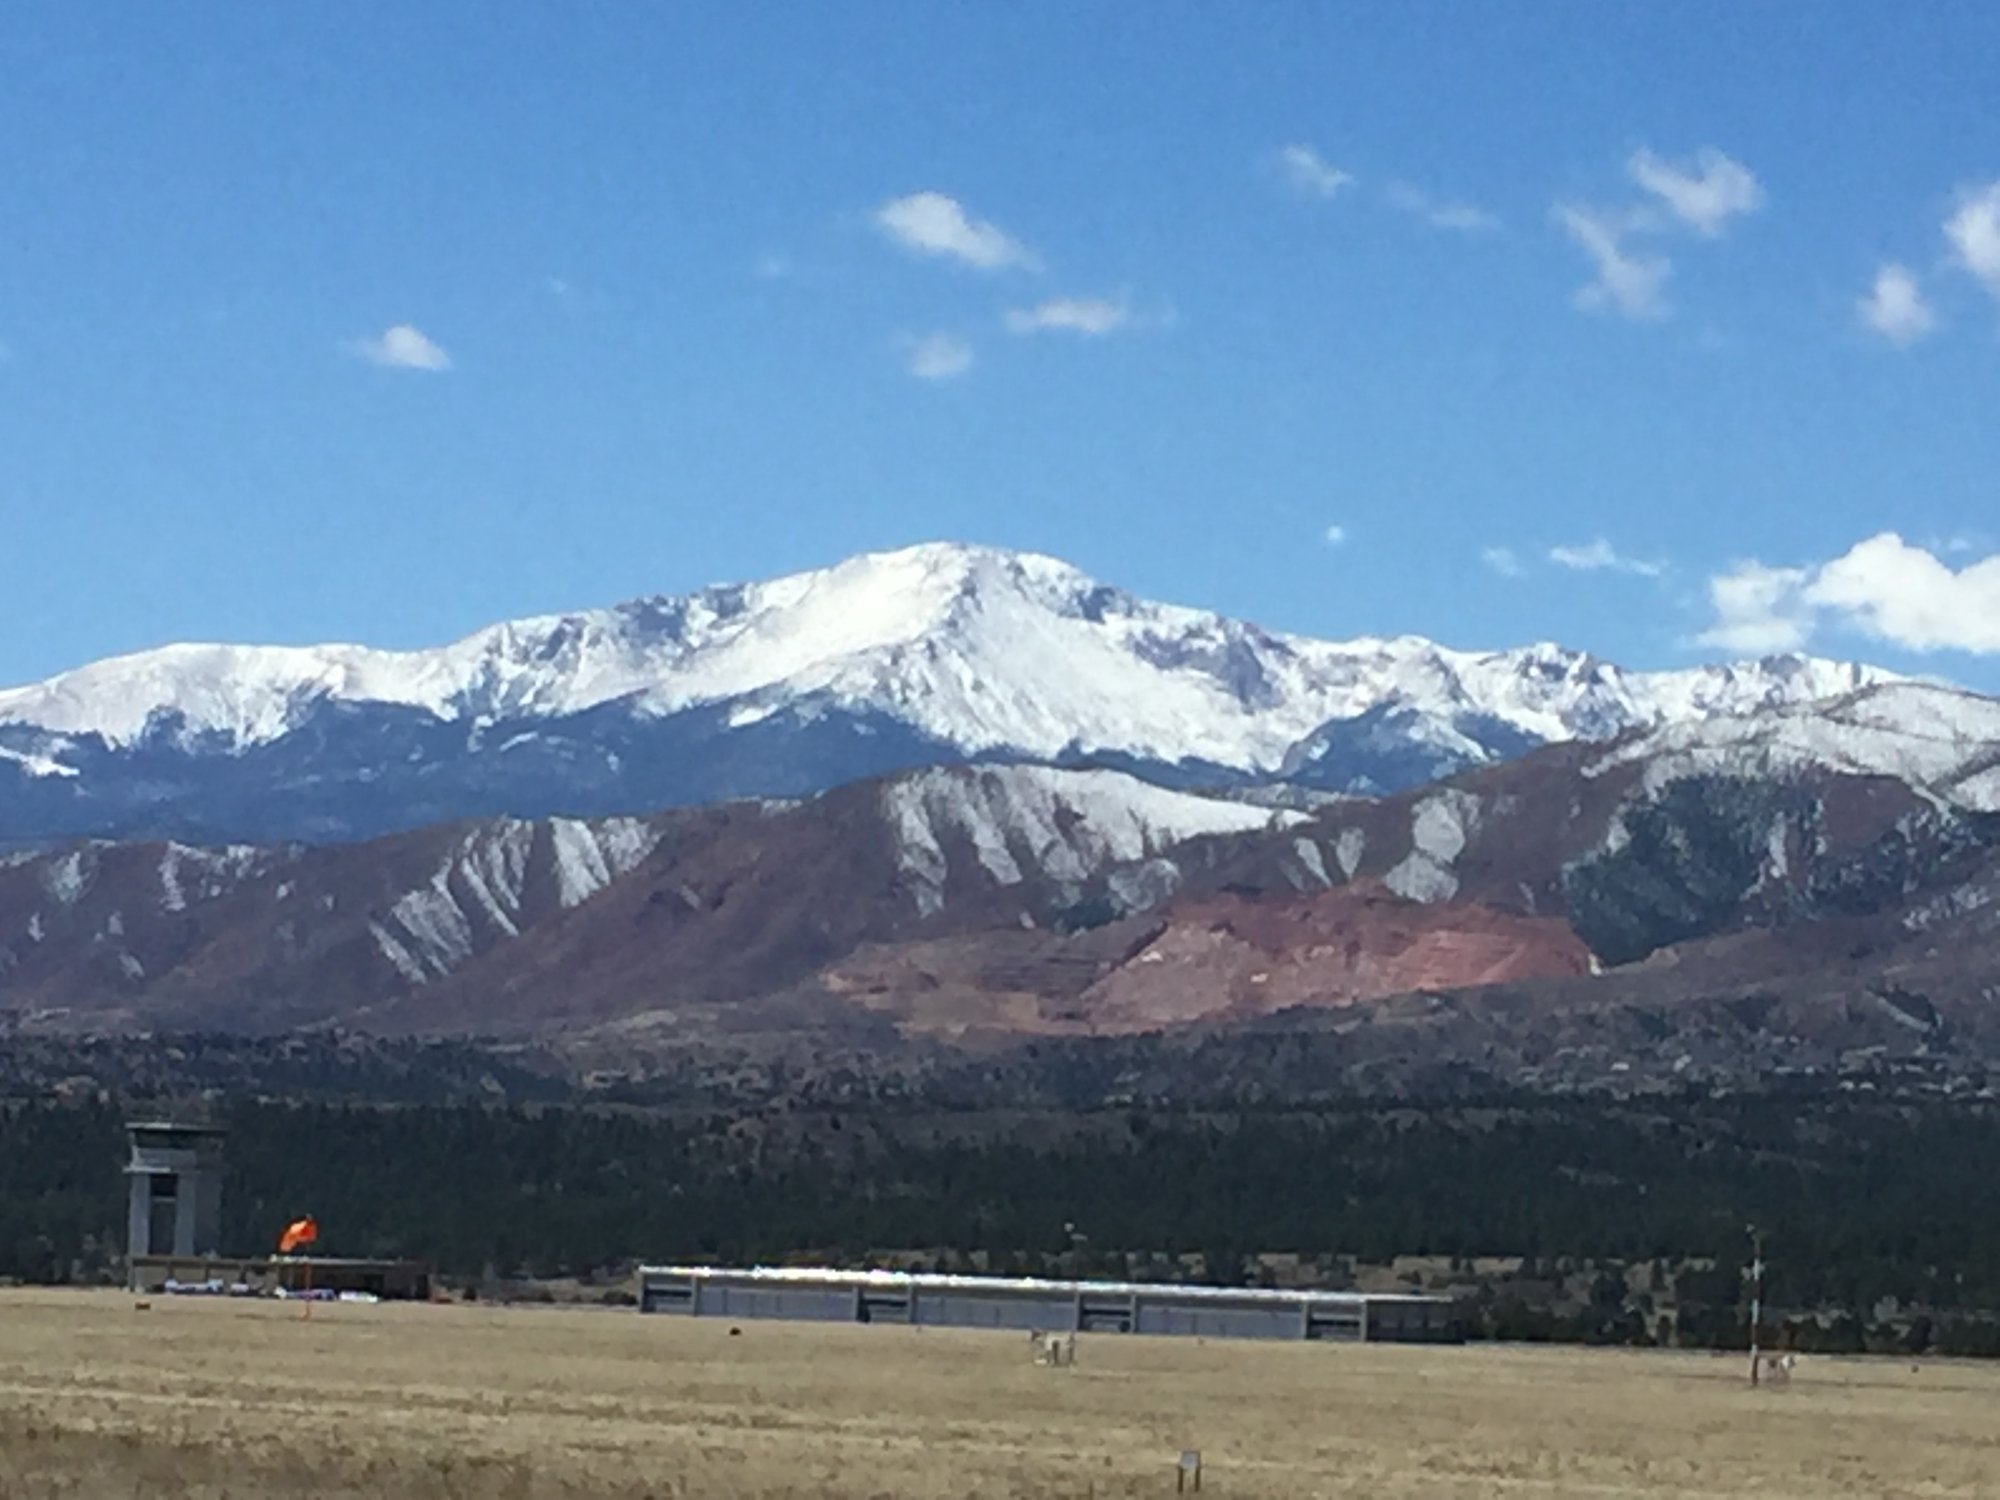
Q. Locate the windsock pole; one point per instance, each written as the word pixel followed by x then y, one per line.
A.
pixel 1756 1300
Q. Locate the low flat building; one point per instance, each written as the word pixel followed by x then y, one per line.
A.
pixel 268 1275
pixel 1030 1304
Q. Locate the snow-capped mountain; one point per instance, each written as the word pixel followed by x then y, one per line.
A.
pixel 929 655
pixel 1941 742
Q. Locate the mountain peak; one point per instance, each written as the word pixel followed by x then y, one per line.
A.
pixel 936 652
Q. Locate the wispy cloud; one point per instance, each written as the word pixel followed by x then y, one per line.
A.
pixel 772 265
pixel 403 347
pixel 1630 282
pixel 1600 556
pixel 935 224
pixel 1973 233
pixel 1441 213
pixel 1334 536
pixel 1632 272
pixel 1502 560
pixel 1895 306
pixel 1093 317
pixel 1311 174
pixel 1885 587
pixel 937 356
pixel 1706 193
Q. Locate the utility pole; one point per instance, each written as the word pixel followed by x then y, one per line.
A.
pixel 1756 1296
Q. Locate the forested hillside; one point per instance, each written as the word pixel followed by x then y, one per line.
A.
pixel 1862 1201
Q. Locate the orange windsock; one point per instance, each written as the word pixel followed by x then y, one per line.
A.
pixel 298 1232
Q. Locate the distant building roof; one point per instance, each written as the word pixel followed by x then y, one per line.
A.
pixel 938 1281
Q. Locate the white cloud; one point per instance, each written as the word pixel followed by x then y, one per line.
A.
pixel 937 356
pixel 1441 213
pixel 1334 536
pixel 1707 194
pixel 1311 174
pixel 404 348
pixel 1973 232
pixel 1885 587
pixel 1895 306
pixel 934 224
pixel 1502 560
pixel 1600 556
pixel 1630 283
pixel 1902 594
pixel 1758 611
pixel 1091 316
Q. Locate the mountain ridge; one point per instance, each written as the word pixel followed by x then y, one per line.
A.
pixel 934 654
pixel 1017 900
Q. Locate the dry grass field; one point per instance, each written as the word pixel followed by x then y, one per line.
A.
pixel 205 1399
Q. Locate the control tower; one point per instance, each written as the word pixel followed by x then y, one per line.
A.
pixel 176 1198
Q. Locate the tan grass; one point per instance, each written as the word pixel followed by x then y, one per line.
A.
pixel 224 1399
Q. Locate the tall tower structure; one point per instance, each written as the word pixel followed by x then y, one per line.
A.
pixel 175 1206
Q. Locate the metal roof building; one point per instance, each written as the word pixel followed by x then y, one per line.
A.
pixel 1031 1304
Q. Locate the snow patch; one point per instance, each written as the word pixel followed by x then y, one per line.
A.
pixel 493 863
pixel 589 856
pixel 1348 849
pixel 436 934
pixel 405 962
pixel 68 876
pixel 37 765
pixel 1065 826
pixel 1309 856
pixel 213 872
pixel 1143 886
pixel 1440 826
pixel 1777 851
pixel 1956 902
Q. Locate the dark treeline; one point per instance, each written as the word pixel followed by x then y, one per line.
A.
pixel 1860 1201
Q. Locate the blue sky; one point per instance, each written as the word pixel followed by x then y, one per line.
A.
pixel 1665 331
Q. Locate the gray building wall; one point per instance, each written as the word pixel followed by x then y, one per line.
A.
pixel 1028 1305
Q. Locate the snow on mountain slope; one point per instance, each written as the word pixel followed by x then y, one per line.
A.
pixel 1030 820
pixel 1939 740
pixel 481 884
pixel 983 649
pixel 35 765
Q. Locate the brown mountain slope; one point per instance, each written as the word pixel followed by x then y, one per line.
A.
pixel 982 902
pixel 1221 957
pixel 520 926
